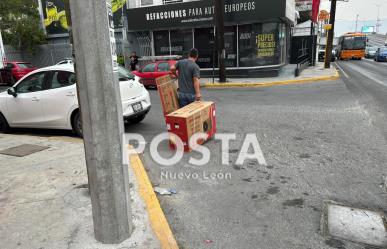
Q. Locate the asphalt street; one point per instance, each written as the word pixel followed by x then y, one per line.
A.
pixel 321 141
pixel 367 80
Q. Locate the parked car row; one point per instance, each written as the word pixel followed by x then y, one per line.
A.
pixel 47 98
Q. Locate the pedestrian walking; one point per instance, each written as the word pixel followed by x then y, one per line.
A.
pixel 188 73
pixel 133 61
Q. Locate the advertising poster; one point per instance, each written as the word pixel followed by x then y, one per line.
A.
pixel 54 15
pixel 55 21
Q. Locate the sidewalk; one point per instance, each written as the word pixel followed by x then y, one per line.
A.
pixel 311 74
pixel 45 203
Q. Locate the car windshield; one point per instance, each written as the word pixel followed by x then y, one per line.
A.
pixel 383 49
pixel 24 65
pixel 351 42
pixel 124 74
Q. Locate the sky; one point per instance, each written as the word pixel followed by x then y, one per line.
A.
pixel 366 9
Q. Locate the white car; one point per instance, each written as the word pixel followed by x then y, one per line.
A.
pixel 47 98
pixel 65 61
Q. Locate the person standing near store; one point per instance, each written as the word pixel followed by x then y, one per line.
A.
pixel 133 61
pixel 188 79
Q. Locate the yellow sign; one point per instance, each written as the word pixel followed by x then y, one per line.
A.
pixel 54 16
pixel 266 45
pixel 323 16
pixel 328 26
pixel 117 4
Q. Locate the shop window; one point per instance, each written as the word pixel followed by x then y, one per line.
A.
pixel 246 46
pixel 161 42
pixel 204 42
pixel 260 45
pixel 230 45
pixel 181 41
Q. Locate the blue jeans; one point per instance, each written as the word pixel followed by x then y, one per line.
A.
pixel 185 98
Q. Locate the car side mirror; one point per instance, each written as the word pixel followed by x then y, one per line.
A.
pixel 11 91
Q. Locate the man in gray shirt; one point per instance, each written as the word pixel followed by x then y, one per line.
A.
pixel 189 75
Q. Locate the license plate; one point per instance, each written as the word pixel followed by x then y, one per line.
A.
pixel 137 107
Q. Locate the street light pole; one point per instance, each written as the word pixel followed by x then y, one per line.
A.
pixel 331 33
pixel 219 15
pixel 102 119
pixel 378 17
pixel 357 20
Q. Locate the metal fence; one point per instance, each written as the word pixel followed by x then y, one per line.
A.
pixel 43 56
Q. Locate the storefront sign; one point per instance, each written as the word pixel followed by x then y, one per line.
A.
pixel 201 13
pixel 328 26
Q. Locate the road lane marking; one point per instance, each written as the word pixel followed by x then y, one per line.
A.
pixel 372 62
pixel 345 74
pixel 369 74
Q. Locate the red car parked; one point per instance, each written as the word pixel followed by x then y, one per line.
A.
pixel 153 70
pixel 19 69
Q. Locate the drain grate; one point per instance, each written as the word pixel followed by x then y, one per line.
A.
pixel 354 224
pixel 23 150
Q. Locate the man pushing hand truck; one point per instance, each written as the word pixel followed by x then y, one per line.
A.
pixel 188 79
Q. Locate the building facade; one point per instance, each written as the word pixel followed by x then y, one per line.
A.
pixel 257 33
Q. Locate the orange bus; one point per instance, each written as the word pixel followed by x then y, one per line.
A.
pixel 352 46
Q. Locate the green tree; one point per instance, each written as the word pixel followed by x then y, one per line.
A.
pixel 20 24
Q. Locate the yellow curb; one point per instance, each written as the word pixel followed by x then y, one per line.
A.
pixel 275 83
pixel 156 215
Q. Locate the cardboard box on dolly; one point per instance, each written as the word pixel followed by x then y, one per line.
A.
pixel 197 117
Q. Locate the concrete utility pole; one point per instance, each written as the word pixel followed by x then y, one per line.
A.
pixel 331 34
pixel 100 102
pixel 219 15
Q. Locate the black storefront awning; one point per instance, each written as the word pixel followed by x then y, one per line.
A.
pixel 201 13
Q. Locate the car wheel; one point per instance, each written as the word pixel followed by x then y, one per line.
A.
pixel 77 124
pixel 4 127
pixel 137 119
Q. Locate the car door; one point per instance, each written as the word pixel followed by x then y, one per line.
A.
pixel 25 110
pixel 59 99
pixel 148 74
